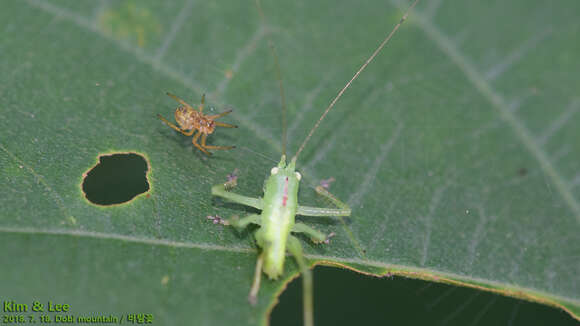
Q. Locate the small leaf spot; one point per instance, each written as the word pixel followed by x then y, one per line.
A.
pixel 116 179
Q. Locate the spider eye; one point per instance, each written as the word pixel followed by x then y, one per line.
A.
pixel 298 176
pixel 274 171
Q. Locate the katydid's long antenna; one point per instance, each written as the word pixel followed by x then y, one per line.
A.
pixel 381 46
pixel 279 77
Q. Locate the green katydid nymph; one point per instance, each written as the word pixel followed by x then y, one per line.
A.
pixel 279 206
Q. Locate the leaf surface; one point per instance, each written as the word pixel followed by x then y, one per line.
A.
pixel 457 149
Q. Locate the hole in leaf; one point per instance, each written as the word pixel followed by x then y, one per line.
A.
pixel 342 297
pixel 116 179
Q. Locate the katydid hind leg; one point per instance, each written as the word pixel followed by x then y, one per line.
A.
pixel 337 202
pixel 253 296
pixel 295 248
pixel 342 210
pixel 315 235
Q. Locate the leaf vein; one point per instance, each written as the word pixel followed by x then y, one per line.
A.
pixel 245 52
pixel 139 54
pixel 184 13
pixel 560 121
pixel 127 238
pixel 501 107
pixel 57 198
pixel 435 200
pixel 517 55
pixel 307 105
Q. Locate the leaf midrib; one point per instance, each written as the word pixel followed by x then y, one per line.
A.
pixel 388 269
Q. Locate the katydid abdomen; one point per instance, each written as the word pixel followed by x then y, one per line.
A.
pixel 281 196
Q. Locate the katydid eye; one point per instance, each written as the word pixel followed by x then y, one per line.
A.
pixel 298 176
pixel 274 171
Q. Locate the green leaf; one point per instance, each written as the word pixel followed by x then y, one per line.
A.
pixel 456 149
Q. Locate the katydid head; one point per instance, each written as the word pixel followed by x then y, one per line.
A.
pixel 286 170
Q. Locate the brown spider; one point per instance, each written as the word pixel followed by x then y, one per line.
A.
pixel 191 119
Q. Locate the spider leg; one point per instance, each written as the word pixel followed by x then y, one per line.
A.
pixel 204 137
pixel 213 117
pixel 174 127
pixel 200 107
pixel 227 125
pixel 180 100
pixel 194 142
